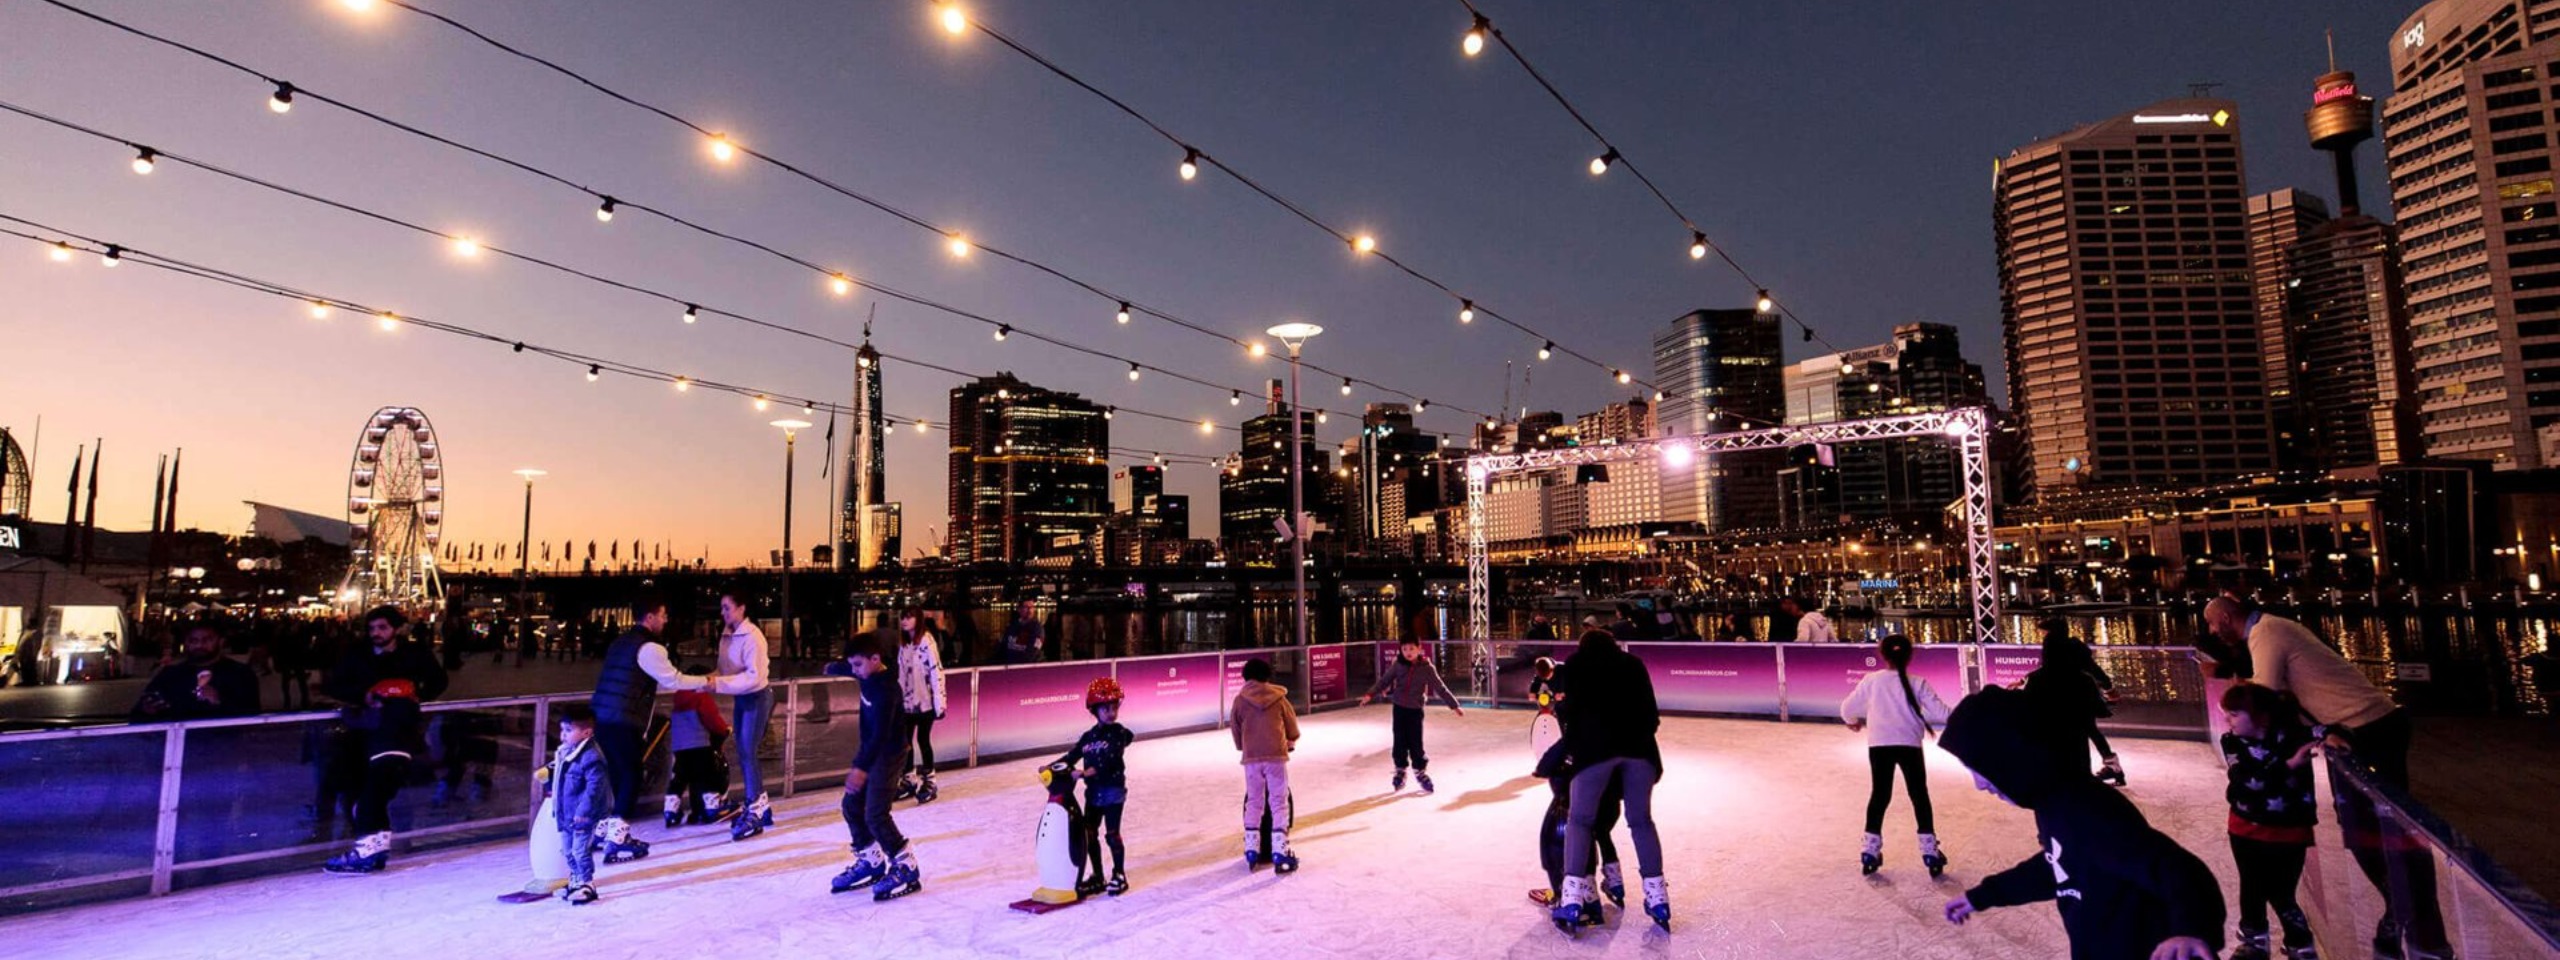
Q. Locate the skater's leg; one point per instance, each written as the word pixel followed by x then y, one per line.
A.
pixel 1915 781
pixel 857 819
pixel 622 745
pixel 579 847
pixel 881 788
pixel 1407 722
pixel 2284 877
pixel 1110 816
pixel 1584 812
pixel 1879 786
pixel 2098 738
pixel 751 708
pixel 1636 777
pixel 383 777
pixel 2251 857
pixel 1551 849
pixel 1257 798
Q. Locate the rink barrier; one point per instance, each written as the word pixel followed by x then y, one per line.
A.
pixel 233 820
pixel 2485 910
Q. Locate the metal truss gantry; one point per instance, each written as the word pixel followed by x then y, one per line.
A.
pixel 1969 428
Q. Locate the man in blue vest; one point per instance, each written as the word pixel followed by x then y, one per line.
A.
pixel 636 666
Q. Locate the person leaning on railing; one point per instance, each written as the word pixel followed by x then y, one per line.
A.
pixel 202 684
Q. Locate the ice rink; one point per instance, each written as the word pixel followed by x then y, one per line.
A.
pixel 1759 820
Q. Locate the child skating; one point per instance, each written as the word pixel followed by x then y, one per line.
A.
pixel 883 859
pixel 1557 768
pixel 580 799
pixel 1100 759
pixel 1898 711
pixel 1409 683
pixel 2268 751
pixel 2125 890
pixel 1265 728
pixel 701 777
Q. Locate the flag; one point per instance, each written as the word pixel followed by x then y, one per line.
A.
pixel 71 510
pixel 546 551
pixel 89 528
pixel 616 552
pixel 174 464
pixel 159 491
pixel 591 551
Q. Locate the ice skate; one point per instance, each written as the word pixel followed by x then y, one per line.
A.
pixel 1253 858
pixel 1932 857
pixel 371 853
pixel 868 867
pixel 903 878
pixel 2386 941
pixel 2250 945
pixel 578 894
pixel 1283 860
pixel 753 820
pixel 1119 883
pixel 1590 907
pixel 2297 936
pixel 1089 886
pixel 1398 784
pixel 906 789
pixel 926 791
pixel 763 810
pixel 1871 856
pixel 1614 883
pixel 675 810
pixel 619 845
pixel 1567 913
pixel 1424 780
pixel 2111 772
pixel 1657 902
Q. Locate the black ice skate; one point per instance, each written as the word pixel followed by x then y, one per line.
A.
pixel 371 853
pixel 1119 883
pixel 1423 780
pixel 1398 783
pixel 2252 945
pixel 903 878
pixel 926 791
pixel 2111 772
pixel 578 894
pixel 1932 857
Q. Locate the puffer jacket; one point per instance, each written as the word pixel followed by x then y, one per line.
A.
pixel 1265 727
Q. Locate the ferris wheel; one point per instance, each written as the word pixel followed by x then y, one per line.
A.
pixel 395 509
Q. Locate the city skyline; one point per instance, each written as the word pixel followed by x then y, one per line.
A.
pixel 631 460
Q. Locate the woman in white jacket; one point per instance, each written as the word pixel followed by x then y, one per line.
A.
pixel 1897 711
pixel 920 683
pixel 745 674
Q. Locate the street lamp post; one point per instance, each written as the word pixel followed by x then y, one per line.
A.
pixel 1296 335
pixel 524 557
pixel 790 443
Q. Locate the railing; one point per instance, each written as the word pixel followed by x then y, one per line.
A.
pixel 118 811
pixel 2386 867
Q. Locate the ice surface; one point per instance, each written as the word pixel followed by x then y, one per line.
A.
pixel 1760 825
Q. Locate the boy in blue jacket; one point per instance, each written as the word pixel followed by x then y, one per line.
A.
pixel 580 799
pixel 883 860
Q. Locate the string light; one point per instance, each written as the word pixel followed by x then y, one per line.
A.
pixel 954 20
pixel 683 384
pixel 692 313
pixel 721 149
pixel 1600 164
pixel 761 403
pixel 466 247
pixel 1235 397
pixel 61 251
pixel 1207 427
pixel 112 256
pixel 1346 386
pixel 1108 411
pixel 1421 405
pixel 1319 416
pixel 841 284
pixel 1256 350
pixel 359 6
pixel 1547 350
pixel 1123 315
pixel 1765 303
pixel 920 425
pixel 1474 42
pixel 1466 311
pixel 1624 377
pixel 390 321
pixel 808 408
pixel 594 371
pixel 1657 396
pixel 604 214
pixel 282 101
pixel 1003 331
pixel 1133 372
pixel 1190 163
pixel 959 245
pixel 142 161
pixel 319 310
pixel 1364 244
pixel 1697 245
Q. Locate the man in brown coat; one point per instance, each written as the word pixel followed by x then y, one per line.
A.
pixel 1266 730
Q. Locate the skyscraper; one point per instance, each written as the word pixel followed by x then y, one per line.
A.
pixel 2130 336
pixel 1029 475
pixel 2346 314
pixel 862 538
pixel 1720 371
pixel 1392 486
pixel 2279 219
pixel 2469 133
pixel 1254 495
pixel 1913 479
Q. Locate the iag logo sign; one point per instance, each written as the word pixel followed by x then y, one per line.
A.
pixel 2416 37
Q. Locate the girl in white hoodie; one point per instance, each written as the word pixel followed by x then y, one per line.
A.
pixel 1897 711
pixel 920 680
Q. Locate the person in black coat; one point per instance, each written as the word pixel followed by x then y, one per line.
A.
pixel 1609 720
pixel 2076 688
pixel 2125 891
pixel 203 683
pixel 380 686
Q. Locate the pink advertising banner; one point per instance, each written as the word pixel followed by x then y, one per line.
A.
pixel 1029 708
pixel 1328 677
pixel 2008 665
pixel 1701 678
pixel 1169 693
pixel 1819 676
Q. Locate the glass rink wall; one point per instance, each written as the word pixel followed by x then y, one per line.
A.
pixel 110 812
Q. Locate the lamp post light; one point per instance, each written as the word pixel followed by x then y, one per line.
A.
pixel 790 442
pixel 1296 335
pixel 524 539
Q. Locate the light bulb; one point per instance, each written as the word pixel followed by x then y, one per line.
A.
pixel 142 161
pixel 61 251
pixel 1466 311
pixel 1346 386
pixel 1365 243
pixel 721 149
pixel 919 426
pixel 1256 349
pixel 359 6
pixel 1625 377
pixel 1547 350
pixel 1765 303
pixel 1474 42
pixel 1697 245
pixel 1206 426
pixel 1600 164
pixel 594 371
pixel 1190 163
pixel 1159 459
pixel 761 403
pixel 1235 397
pixel 1123 315
pixel 841 284
pixel 319 310
pixel 692 313
pixel 112 256
pixel 389 321
pixel 1657 396
pixel 1421 405
pixel 1108 411
pixel 683 384
pixel 959 245
pixel 1133 371
pixel 808 408
pixel 1003 331
pixel 604 214
pixel 954 20
pixel 465 246
pixel 1319 416
pixel 282 101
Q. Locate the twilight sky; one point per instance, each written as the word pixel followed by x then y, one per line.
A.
pixel 1842 151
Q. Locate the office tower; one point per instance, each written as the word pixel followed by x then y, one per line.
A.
pixel 1028 472
pixel 2279 219
pixel 1720 371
